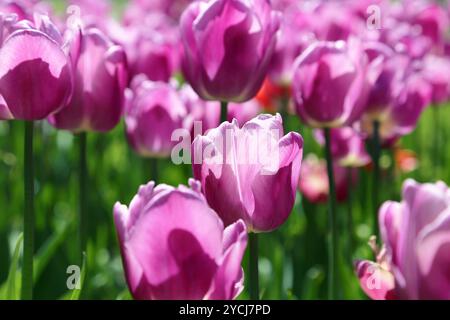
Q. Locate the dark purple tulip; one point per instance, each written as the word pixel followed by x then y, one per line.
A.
pixel 100 80
pixel 174 246
pixel 228 45
pixel 35 73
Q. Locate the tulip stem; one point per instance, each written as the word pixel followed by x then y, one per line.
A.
pixel 436 132
pixel 332 233
pixel 223 111
pixel 28 233
pixel 254 271
pixel 350 214
pixel 376 152
pixel 154 170
pixel 82 171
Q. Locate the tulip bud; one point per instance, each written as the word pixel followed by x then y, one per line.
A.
pixel 100 80
pixel 228 45
pixel 331 83
pixel 154 110
pixel 35 72
pixel 249 172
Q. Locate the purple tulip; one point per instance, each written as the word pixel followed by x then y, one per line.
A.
pixel 347 146
pixel 174 246
pixel 331 83
pixel 35 71
pixel 416 232
pixel 154 110
pixel 226 38
pixel 100 80
pixel 249 173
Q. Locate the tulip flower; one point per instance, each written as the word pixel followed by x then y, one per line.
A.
pixel 35 73
pixel 416 235
pixel 436 71
pixel 244 112
pixel 174 246
pixel 249 173
pixel 35 81
pixel 154 110
pixel 100 80
pixel 138 9
pixel 331 85
pixel 330 89
pixel 347 147
pixel 223 38
pixel 259 190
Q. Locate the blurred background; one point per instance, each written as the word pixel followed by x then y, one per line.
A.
pixel 292 259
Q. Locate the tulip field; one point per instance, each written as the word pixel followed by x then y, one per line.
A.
pixel 224 150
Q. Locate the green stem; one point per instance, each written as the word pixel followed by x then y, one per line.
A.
pixel 254 278
pixel 350 238
pixel 82 171
pixel 332 233
pixel 223 111
pixel 376 152
pixel 28 233
pixel 436 133
pixel 154 169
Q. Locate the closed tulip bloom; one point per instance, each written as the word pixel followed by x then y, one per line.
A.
pixel 175 247
pixel 249 172
pixel 154 110
pixel 100 81
pixel 314 180
pixel 416 234
pixel 347 146
pixel 331 83
pixel 35 71
pixel 228 45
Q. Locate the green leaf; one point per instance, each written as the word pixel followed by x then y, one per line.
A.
pixel 76 292
pixel 12 292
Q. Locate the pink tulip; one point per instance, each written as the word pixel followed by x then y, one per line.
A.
pixel 174 246
pixel 226 38
pixel 249 172
pixel 331 83
pixel 314 180
pixel 100 80
pixel 347 146
pixel 154 110
pixel 416 233
pixel 35 71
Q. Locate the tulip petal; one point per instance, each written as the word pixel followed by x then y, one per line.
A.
pixel 376 282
